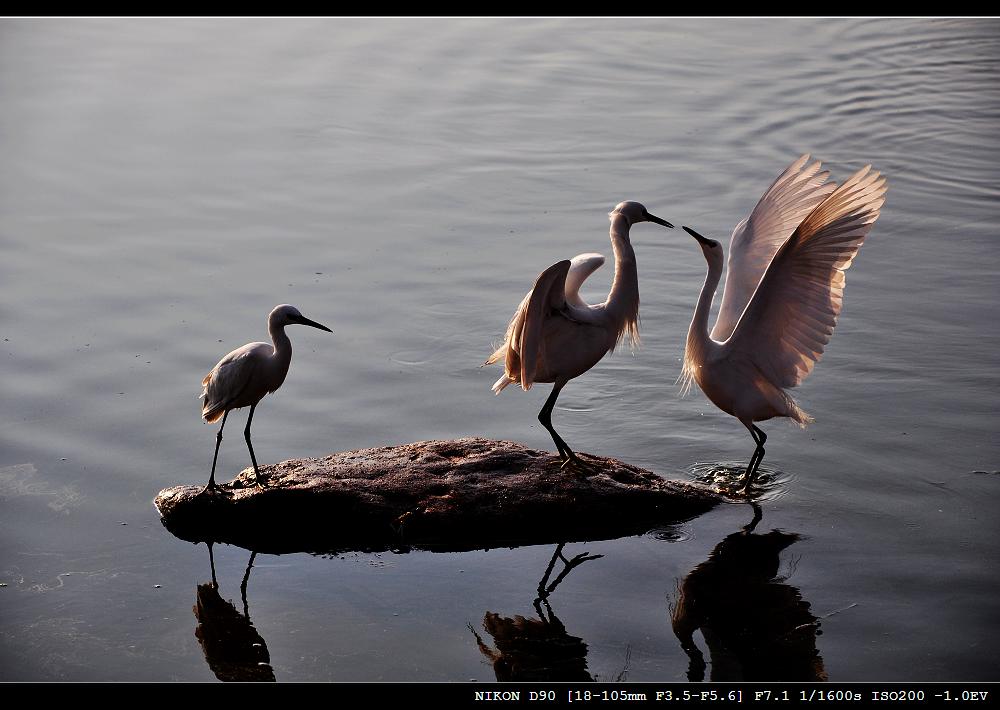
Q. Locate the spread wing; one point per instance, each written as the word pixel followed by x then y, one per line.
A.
pixel 791 197
pixel 793 312
pixel 524 334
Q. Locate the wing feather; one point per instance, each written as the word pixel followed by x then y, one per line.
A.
pixel 794 310
pixel 523 341
pixel 549 294
pixel 228 380
pixel 756 239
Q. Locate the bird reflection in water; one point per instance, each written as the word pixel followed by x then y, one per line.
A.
pixel 233 648
pixel 756 626
pixel 529 649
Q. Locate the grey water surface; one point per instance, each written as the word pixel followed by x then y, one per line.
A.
pixel 164 183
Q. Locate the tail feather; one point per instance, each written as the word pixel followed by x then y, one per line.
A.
pixel 212 412
pixel 501 383
pixel 795 412
pixel 800 416
pixel 495 357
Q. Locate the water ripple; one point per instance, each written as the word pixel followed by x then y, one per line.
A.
pixel 672 533
pixel 726 477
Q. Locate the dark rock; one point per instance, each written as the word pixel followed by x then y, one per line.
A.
pixel 456 495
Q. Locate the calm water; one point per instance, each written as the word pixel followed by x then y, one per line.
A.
pixel 165 183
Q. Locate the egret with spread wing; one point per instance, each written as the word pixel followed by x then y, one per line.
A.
pixel 244 376
pixel 784 290
pixel 555 336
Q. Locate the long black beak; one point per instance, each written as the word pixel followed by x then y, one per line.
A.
pixel 662 222
pixel 302 320
pixel 701 239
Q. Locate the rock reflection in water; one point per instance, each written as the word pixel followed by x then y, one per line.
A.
pixel 233 648
pixel 756 626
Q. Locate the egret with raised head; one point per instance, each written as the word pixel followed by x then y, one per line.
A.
pixel 555 336
pixel 244 376
pixel 784 291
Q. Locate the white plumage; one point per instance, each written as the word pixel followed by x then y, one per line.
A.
pixel 784 291
pixel 555 336
pixel 243 377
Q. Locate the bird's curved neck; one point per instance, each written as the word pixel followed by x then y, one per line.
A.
pixel 623 300
pixel 282 345
pixel 698 340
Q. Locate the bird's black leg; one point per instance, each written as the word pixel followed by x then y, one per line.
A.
pixel 759 437
pixel 212 485
pixel 545 417
pixel 246 435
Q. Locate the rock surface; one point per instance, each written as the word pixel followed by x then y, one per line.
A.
pixel 456 495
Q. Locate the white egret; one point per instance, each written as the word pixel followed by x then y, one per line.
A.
pixel 554 336
pixel 784 290
pixel 244 376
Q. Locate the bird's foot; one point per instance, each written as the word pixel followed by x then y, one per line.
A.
pixel 257 479
pixel 745 489
pixel 214 489
pixel 254 481
pixel 575 464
